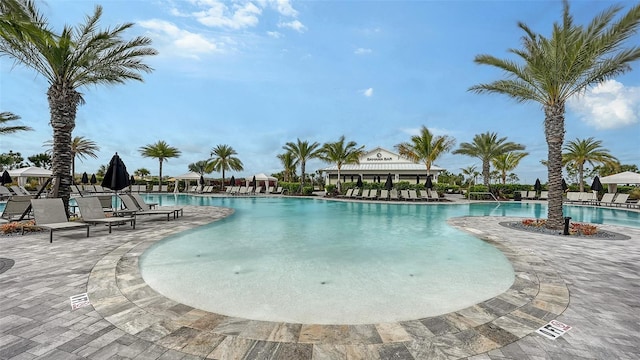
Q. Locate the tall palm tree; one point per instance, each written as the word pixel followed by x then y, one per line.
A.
pixel 161 151
pixel 5 117
pixel 426 147
pixel 340 154
pixel 578 152
pixel 303 151
pixel 201 167
pixel 81 147
pixel 74 58
pixel 289 163
pixel 507 162
pixel 486 147
pixel 223 159
pixel 556 68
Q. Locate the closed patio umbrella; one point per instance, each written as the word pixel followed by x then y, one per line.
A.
pixel 85 178
pixel 93 180
pixel 564 185
pixel 132 180
pixel 201 181
pixel 388 185
pixel 429 183
pixel 359 182
pixel 596 185
pixel 116 178
pixel 537 186
pixel 253 183
pixel 6 178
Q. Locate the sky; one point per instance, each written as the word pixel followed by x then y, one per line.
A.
pixel 255 75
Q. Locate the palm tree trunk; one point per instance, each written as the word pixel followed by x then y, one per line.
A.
pixel 485 172
pixel 554 134
pixel 63 103
pixel 302 166
pixel 339 184
pixel 160 178
pixel 581 176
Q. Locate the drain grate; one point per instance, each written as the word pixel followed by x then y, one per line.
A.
pixel 6 264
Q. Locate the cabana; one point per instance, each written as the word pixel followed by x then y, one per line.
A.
pixel 267 180
pixel 187 180
pixel 627 177
pixel 23 173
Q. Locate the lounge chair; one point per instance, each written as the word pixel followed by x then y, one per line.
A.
pixel 364 194
pixel 348 193
pixel 179 211
pixel 404 194
pixel 544 195
pixel 355 193
pixel 19 190
pixel 243 190
pixel 257 190
pixel 434 195
pixel 270 190
pixel 573 196
pixel 393 194
pixel 621 199
pixel 133 206
pixel 607 199
pixel 632 205
pixel 228 190
pixel 413 195
pixel 384 194
pixel 91 212
pixel 278 190
pixel 373 194
pixel 164 188
pixel 16 206
pixel 50 214
pixel 424 195
pixel 5 193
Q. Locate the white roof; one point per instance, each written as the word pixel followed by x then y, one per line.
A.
pixel 627 177
pixel 382 160
pixel 264 177
pixel 188 176
pixel 30 171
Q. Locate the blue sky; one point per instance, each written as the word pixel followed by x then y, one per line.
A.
pixel 257 74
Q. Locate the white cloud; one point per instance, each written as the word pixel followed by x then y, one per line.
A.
pixel 609 105
pixel 367 92
pixel 178 42
pixel 238 17
pixel 362 51
pixel 295 25
pixel 274 34
pixel 284 8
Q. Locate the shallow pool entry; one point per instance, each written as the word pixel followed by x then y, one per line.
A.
pixel 301 261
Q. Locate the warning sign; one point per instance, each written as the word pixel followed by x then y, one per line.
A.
pixel 554 329
pixel 78 301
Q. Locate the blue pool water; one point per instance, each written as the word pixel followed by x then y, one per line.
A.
pixel 313 261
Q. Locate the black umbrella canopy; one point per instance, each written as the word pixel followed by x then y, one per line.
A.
pixel 359 182
pixel 232 182
pixel 537 186
pixel 6 178
pixel 596 185
pixel 132 180
pixel 388 185
pixel 253 183
pixel 429 183
pixel 93 180
pixel 116 178
pixel 85 178
pixel 564 185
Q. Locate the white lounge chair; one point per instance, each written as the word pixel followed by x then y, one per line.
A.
pixel 91 212
pixel 50 214
pixel 393 194
pixel 621 199
pixel 607 199
pixel 413 195
pixel 16 206
pixel 544 195
pixel 384 194
pixel 373 194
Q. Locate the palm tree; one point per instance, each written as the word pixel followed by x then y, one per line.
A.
pixel 80 147
pixel 574 58
pixel 470 171
pixel 289 163
pixel 5 117
pixel 302 151
pixel 142 172
pixel 77 57
pixel 340 154
pixel 201 167
pixel 486 147
pixel 161 151
pixel 222 159
pixel 507 162
pixel 579 152
pixel 426 147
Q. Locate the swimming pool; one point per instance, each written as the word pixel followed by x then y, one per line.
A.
pixel 331 262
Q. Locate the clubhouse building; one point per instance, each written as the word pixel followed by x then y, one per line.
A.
pixel 375 165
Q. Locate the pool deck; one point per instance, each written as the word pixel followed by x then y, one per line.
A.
pixel 592 285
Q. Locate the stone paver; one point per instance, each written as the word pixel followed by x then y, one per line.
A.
pixel 592 285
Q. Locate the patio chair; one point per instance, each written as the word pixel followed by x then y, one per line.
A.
pixel 179 211
pixel 347 194
pixel 384 194
pixel 155 188
pixel 373 194
pixel 634 205
pixel 413 195
pixel 393 194
pixel 544 195
pixel 607 199
pixel 404 194
pixel 434 195
pixel 50 214
pixel 16 206
pixel 132 205
pixel 19 190
pixel 621 199
pixel 364 194
pixel 5 193
pixel 91 212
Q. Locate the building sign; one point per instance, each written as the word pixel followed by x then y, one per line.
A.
pixel 380 157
